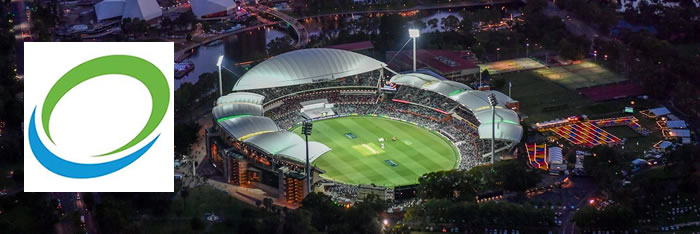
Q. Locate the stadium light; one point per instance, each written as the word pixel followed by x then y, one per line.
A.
pixel 493 102
pixel 306 130
pixel 218 64
pixel 480 70
pixel 492 99
pixel 414 33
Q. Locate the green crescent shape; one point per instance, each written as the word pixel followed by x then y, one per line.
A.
pixel 135 67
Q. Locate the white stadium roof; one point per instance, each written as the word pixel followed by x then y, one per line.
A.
pixel 247 126
pixel 240 115
pixel 306 66
pixel 507 121
pixel 206 7
pixel 416 80
pixel 244 97
pixel 428 82
pixel 298 151
pixel 287 144
pixel 445 87
pixel 232 110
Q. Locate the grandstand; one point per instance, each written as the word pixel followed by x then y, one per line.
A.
pixel 256 123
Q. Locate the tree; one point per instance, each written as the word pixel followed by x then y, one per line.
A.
pixel 604 166
pixel 392 27
pixel 89 200
pixel 615 217
pixel 298 221
pixel 450 184
pixel 516 177
pixel 112 215
pixel 184 193
pixel 472 217
pixel 433 22
pixel 185 136
pixel 267 204
pixel 196 224
pixel 535 6
pixel 280 45
pixel 18 176
pixel 573 48
pixel 450 23
pixel 27 213
pixel 419 24
pixel 323 212
pixel 485 75
pixel 467 23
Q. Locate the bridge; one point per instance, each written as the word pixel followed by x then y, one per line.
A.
pixel 302 34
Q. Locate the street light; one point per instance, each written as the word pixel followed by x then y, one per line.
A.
pixel 218 64
pixel 306 130
pixel 527 49
pixel 414 33
pixel 493 102
pixel 595 56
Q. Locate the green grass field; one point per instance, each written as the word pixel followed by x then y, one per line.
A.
pixel 582 75
pixel 362 160
pixel 510 65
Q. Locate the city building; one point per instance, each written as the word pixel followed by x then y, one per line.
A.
pixel 147 10
pixel 212 9
pixel 449 64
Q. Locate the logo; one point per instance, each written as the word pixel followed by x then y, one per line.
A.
pixel 98 117
pixel 139 69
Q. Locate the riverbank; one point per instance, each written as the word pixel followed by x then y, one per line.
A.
pixel 187 50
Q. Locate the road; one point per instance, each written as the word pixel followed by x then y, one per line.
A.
pixel 71 203
pixel 22 29
pixel 573 24
pixel 568 226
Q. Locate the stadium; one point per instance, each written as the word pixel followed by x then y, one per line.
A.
pixel 375 131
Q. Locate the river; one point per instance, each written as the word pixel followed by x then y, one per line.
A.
pixel 241 47
pixel 250 45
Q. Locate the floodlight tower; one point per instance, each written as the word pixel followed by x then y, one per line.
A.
pixel 306 130
pixel 493 102
pixel 218 64
pixel 414 33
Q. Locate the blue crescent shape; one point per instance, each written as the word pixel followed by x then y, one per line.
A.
pixel 70 169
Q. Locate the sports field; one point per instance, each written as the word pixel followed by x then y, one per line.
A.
pixel 357 157
pixel 511 65
pixel 582 75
